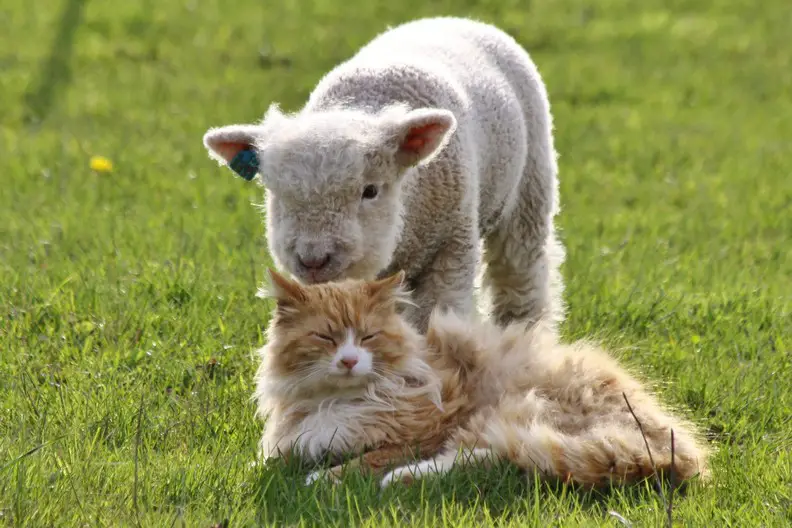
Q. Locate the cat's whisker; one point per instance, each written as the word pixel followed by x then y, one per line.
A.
pixel 309 375
pixel 381 373
pixel 388 373
pixel 303 365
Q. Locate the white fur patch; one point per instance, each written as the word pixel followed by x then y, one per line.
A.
pixel 413 471
pixel 335 427
pixel 321 474
pixel 439 465
pixel 350 351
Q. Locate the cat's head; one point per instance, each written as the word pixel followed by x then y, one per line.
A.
pixel 340 335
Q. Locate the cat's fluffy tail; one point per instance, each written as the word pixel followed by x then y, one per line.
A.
pixel 605 454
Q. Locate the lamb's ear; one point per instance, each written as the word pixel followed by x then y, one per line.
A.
pixel 224 143
pixel 421 134
pixel 288 293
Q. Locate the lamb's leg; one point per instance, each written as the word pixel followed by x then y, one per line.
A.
pixel 523 256
pixel 447 282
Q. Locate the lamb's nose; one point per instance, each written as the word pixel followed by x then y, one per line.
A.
pixel 314 262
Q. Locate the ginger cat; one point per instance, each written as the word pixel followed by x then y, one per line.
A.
pixel 344 374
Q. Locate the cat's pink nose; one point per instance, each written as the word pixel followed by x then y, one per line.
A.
pixel 349 362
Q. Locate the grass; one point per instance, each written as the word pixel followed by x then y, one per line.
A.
pixel 127 308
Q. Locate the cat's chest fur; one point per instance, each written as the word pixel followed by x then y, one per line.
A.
pixel 340 426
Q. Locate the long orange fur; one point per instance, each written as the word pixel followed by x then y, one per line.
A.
pixel 466 389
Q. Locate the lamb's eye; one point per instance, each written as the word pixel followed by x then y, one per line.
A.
pixel 324 337
pixel 370 191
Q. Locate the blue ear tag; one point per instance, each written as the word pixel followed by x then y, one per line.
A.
pixel 245 163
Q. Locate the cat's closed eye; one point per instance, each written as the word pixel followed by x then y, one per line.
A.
pixel 324 337
pixel 369 337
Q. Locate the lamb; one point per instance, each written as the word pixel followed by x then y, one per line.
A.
pixel 429 151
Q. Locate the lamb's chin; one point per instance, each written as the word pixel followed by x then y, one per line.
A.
pixel 343 382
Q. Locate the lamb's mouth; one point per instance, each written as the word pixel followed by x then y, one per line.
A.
pixel 333 270
pixel 319 276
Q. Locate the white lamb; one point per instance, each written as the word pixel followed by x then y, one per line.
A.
pixel 434 137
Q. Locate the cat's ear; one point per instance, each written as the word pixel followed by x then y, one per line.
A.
pixel 288 293
pixel 389 289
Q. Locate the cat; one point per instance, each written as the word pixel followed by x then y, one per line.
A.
pixel 343 373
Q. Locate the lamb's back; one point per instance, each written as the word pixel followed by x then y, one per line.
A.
pixel 468 65
pixel 471 68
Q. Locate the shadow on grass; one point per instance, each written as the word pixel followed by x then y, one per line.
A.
pixel 54 73
pixel 468 495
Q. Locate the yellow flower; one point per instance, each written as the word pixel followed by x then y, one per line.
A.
pixel 101 164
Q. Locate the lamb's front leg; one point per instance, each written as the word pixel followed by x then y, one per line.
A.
pixel 447 282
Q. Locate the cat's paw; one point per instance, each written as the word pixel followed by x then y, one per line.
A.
pixel 315 476
pixel 323 475
pixel 410 473
pixel 404 475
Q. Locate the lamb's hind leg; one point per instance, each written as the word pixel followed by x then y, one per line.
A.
pixel 522 256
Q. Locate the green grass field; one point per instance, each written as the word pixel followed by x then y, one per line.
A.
pixel 127 308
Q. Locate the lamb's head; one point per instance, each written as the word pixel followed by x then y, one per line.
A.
pixel 333 181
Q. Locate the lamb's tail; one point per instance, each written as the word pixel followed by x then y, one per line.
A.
pixel 605 454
